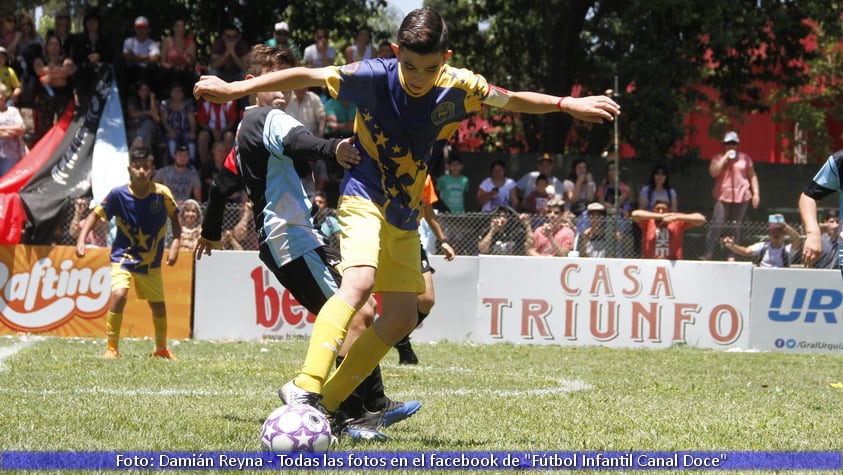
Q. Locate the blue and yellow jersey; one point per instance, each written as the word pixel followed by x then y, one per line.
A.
pixel 397 134
pixel 141 226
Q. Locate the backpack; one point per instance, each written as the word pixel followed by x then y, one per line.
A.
pixel 760 257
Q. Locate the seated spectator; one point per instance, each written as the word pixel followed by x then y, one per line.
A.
pixel 579 188
pixel 509 234
pixel 29 46
pixel 594 240
pixel 320 54
pixel 774 252
pixel 452 185
pixel 662 230
pixel 362 47
pixel 62 31
pixel 209 170
pixel 830 241
pixel 658 187
pixel 544 166
pixel 216 123
pixel 537 201
pixel 556 236
pixel 90 49
pixel 98 237
pixel 180 177
pixel 306 107
pixel 55 71
pixel 611 186
pixel 9 33
pixel 142 117
pixel 385 50
pixel 142 56
pixel 281 38
pixel 190 216
pixel 325 221
pixel 178 56
pixel 12 147
pixel 178 118
pixel 339 118
pixel 9 78
pixel 227 54
pixel 497 189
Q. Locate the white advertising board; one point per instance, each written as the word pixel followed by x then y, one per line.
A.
pixel 612 302
pixel 797 310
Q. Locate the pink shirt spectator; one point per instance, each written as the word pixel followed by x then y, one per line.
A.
pixel 733 184
pixel 564 237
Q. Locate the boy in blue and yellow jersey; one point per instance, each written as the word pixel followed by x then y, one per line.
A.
pixel 825 182
pixel 407 108
pixel 141 209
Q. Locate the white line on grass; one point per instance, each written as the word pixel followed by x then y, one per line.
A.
pixel 9 351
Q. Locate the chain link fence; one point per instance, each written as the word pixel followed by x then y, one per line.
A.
pixel 464 232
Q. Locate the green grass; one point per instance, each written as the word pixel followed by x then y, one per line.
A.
pixel 56 394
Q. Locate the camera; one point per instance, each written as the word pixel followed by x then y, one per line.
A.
pixel 731 154
pixel 776 218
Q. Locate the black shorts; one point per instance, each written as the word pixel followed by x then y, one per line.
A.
pixel 425 264
pixel 311 278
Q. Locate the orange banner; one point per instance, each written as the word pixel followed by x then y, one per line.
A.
pixel 48 290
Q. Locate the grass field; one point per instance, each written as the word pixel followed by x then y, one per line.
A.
pixel 56 394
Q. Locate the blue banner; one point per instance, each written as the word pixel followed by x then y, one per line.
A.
pixel 498 461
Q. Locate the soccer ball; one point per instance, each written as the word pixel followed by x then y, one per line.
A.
pixel 296 428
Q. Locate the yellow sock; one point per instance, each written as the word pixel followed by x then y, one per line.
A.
pixel 362 358
pixel 160 324
pixel 328 334
pixel 113 322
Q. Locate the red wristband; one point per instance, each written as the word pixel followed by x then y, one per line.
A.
pixel 559 102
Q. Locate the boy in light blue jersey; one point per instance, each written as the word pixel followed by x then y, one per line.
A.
pixel 407 109
pixel 826 182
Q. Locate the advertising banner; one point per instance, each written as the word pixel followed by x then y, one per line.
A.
pixel 613 302
pixel 48 290
pixel 797 310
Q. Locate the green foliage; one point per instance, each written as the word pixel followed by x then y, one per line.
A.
pixel 56 394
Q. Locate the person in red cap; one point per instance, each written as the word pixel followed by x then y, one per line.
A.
pixel 142 55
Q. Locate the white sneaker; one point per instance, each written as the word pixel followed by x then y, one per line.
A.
pixel 292 394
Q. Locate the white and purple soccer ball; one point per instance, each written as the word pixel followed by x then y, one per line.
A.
pixel 296 428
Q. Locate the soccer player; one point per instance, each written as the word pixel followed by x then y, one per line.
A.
pixel 826 182
pixel 407 108
pixel 273 150
pixel 141 209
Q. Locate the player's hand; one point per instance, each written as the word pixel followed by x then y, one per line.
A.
pixel 204 246
pixel 173 256
pixel 594 109
pixel 811 249
pixel 214 89
pixel 448 251
pixel 347 155
pixel 80 249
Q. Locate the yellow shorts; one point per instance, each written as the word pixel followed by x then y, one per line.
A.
pixel 368 240
pixel 147 286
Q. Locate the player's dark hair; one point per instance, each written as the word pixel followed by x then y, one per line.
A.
pixel 268 58
pixel 423 31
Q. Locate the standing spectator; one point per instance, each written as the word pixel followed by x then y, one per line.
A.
pixel 362 48
pixel 10 34
pixel 452 186
pixel 11 133
pixel 306 107
pixel 142 56
pixel 281 38
pixel 9 78
pixel 320 54
pixel 141 209
pixel 556 236
pixel 191 224
pixel 536 202
pixel 62 31
pixel 527 183
pixel 178 118
pixel 142 117
pixel 824 183
pixel 498 189
pixel 178 56
pixel 579 188
pixel 55 71
pixel 830 226
pixel 509 234
pixel 216 123
pixel 774 252
pixel 735 186
pixel 29 46
pixel 663 230
pixel 227 55
pixel 180 177
pixel 658 187
pixel 90 49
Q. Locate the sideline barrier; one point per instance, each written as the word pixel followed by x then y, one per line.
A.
pixel 48 290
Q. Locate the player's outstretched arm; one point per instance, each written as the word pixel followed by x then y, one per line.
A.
pixel 216 90
pixel 594 109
